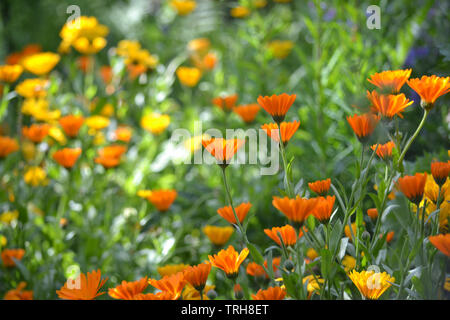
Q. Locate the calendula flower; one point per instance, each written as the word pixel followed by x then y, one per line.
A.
pixel 388 105
pixel 221 149
pixel 312 254
pixel 286 233
pixel 226 103
pixel 10 73
pixel 183 7
pixel 57 134
pixel 370 284
pixel 259 3
pixel 71 124
pixel 197 275
pixel 36 132
pixel 348 232
pixel 440 171
pixel 372 213
pixel 86 287
pixel 271 293
pixel 195 143
pixel 218 235
pixel 229 260
pixel 123 133
pixel 320 187
pixel 390 236
pixel 314 284
pixel 324 208
pixel 413 186
pixel 207 62
pixel 29 49
pixel 247 112
pixel 7 146
pixel 35 176
pixel 18 293
pixel 429 88
pixel 255 270
pixel 190 293
pixel 41 63
pixel 189 76
pixel 441 242
pixel 277 105
pixel 162 199
pixel 106 73
pixel 155 123
pixel 85 63
pixel 28 150
pixel 8 255
pixel 363 125
pixel 8 217
pixel 431 190
pixel 97 122
pixel 349 263
pixel 240 12
pixel 128 290
pixel 33 88
pixel 384 151
pixel 109 156
pixel 173 284
pixel 171 269
pixel 199 46
pixel 390 81
pixel 241 212
pixel 67 157
pixel 296 210
pixel 280 49
pixel 287 130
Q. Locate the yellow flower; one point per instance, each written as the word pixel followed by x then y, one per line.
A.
pixel 144 193
pixel 190 293
pixel 218 235
pixel 9 216
pixel 199 46
pixel 280 49
pixel 195 143
pixel 189 76
pixel 183 7
pixel 10 73
pixel 447 284
pixel 349 263
pixel 99 139
pixel 314 283
pixel 34 106
pixel 35 176
pixel 57 134
pixel 311 253
pixel 370 284
pixel 97 122
pixel 431 190
pixel 33 88
pixel 155 123
pixel 259 3
pixel 107 110
pixel 3 241
pixel 41 63
pixel 240 12
pixel 171 269
pixel 28 150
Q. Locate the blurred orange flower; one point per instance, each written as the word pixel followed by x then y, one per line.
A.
pixel 388 105
pixel 320 187
pixel 247 112
pixel 67 157
pixel 363 125
pixel 226 103
pixel 413 186
pixel 384 151
pixel 241 212
pixel 240 12
pixel 10 73
pixel 441 242
pixel 372 213
pixel 297 209
pixel 287 130
pixel 123 133
pixel 18 293
pixel 88 288
pixel 223 150
pixel 71 124
pixel 7 146
pixel 162 199
pixel 440 172
pixel 128 290
pixel 8 255
pixel 183 7
pixel 287 232
pixel 173 284
pixel 189 76
pixel 36 132
pixel 218 235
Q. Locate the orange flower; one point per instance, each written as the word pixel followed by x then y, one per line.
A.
pixel 197 275
pixel 225 103
pixel 430 88
pixel 229 260
pixel 372 213
pixel 390 236
pixel 255 270
pixel 287 130
pixel 440 172
pixel 247 112
pixel 272 293
pixel 36 132
pixel 287 232
pixel 10 73
pixel 218 235
pixel 275 263
pixel 320 187
pixel 109 157
pixel 8 255
pixel 71 124
pixel 223 150
pixel 123 133
pixel 277 105
pixel 84 63
pixel 7 146
pixel 413 186
pixel 106 73
pixel 163 295
pixel 88 287
pixel 189 76
pixel 324 208
pixel 19 293
pixel 384 151
pixel 363 125
pixel 391 81
pixel 441 242
pixel 297 209
pixel 67 157
pixel 388 105
pixel 128 290
pixel 241 212
pixel 173 284
pixel 162 199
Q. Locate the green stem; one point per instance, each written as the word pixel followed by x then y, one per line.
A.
pixel 283 156
pixel 4 103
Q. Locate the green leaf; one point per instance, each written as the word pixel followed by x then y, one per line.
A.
pixel 255 253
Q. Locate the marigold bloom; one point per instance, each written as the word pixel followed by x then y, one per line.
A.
pixel 240 12
pixel 18 293
pixel 199 46
pixel 349 263
pixel 314 284
pixel 32 88
pixel 123 133
pixel 218 235
pixel 320 187
pixel 71 124
pixel 390 236
pixel 391 81
pixel 97 122
pixel 8 255
pixel 109 156
pixel 312 254
pixel 7 146
pixel 280 49
pixel 441 242
pixel 247 112
pixel 372 213
pixel 384 151
pixel 297 209
pixel 287 130
pixel 10 73
pixel 35 176
pixel 348 232
pixel 255 270
pixel 197 275
pixel 162 199
pixel 183 7
pixel 170 269
pixel 223 150
pixel 324 208
pixel 128 290
pixel 277 105
pixel 67 157
pixel 388 105
pixel 363 125
pixel 189 76
pixel 226 103
pixel 287 232
pixel 88 289
pixel 440 171
pixel 155 123
pixel 241 212
pixel 271 293
pixel 41 63
pixel 162 295
pixel 429 88
pixel 229 260
pixel 190 293
pixel 9 216
pixel 173 284
pixel 413 186
pixel 36 132
pixel 370 284
pixel 107 74
pixel 208 62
